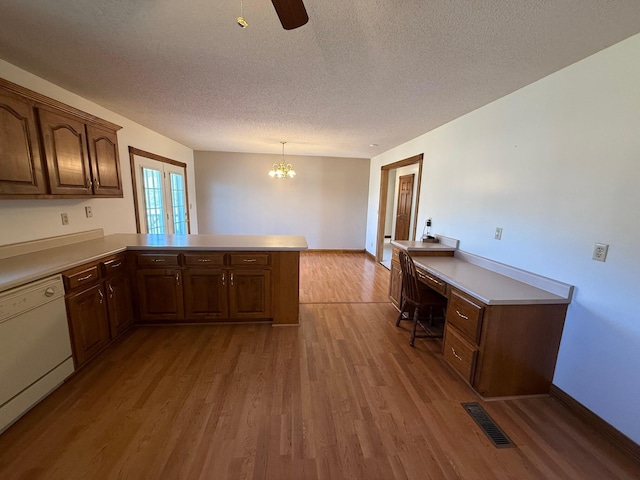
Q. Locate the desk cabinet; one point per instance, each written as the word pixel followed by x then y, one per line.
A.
pixel 395 274
pixel 502 350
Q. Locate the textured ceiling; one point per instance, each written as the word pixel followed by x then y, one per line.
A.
pixel 360 72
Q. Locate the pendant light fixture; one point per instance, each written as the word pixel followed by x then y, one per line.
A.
pixel 241 21
pixel 282 170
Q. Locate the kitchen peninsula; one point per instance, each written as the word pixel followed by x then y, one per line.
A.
pixel 229 261
pixel 63 300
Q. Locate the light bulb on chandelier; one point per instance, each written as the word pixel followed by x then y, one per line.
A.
pixel 282 170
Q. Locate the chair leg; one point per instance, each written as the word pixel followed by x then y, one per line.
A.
pixel 400 317
pixel 415 325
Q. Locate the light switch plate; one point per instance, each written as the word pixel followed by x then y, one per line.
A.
pixel 498 234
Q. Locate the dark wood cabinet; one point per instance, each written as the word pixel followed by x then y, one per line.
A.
pixel 160 295
pixel 204 286
pixel 79 155
pixel 99 305
pixel 249 294
pixel 105 162
pixel 118 291
pixel 88 322
pixel 205 294
pixel 65 149
pixel 20 161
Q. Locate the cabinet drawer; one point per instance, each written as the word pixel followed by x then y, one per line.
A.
pixel 114 266
pixel 204 259
pixel 433 282
pixel 249 259
pixel 465 315
pixel 158 259
pixel 80 277
pixel 460 354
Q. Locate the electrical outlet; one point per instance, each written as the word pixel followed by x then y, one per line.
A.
pixel 65 218
pixel 88 211
pixel 498 234
pixel 600 252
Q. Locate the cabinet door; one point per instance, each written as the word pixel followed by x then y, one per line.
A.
pixel 250 294
pixel 88 321
pixel 119 303
pixel 205 294
pixel 160 295
pixel 105 163
pixel 20 163
pixel 395 284
pixel 65 148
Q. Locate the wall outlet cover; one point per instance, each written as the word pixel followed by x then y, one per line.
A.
pixel 600 252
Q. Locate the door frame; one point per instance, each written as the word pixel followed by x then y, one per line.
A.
pixel 384 193
pixel 159 158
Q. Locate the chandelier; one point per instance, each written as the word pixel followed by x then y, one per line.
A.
pixel 282 170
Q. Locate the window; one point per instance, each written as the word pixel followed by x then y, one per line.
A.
pixel 161 194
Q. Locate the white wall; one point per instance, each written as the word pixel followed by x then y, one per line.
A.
pixel 24 220
pixel 557 165
pixel 326 202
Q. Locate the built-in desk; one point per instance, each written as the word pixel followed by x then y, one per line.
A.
pixel 445 247
pixel 503 325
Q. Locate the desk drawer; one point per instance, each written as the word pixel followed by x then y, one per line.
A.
pixel 433 282
pixel 158 259
pixel 249 259
pixel 460 354
pixel 465 315
pixel 394 254
pixel 204 259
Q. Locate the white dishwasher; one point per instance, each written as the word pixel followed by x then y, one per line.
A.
pixel 35 349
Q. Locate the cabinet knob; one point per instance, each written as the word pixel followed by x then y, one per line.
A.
pixel 49 292
pixel 101 295
pixel 96 182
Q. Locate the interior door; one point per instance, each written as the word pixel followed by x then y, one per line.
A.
pixel 403 214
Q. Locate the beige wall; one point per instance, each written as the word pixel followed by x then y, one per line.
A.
pixel 23 220
pixel 326 202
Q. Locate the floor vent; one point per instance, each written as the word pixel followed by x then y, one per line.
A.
pixel 488 426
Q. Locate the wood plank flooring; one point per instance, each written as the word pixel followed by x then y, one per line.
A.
pixel 342 396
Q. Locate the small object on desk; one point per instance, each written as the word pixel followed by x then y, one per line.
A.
pixel 426 233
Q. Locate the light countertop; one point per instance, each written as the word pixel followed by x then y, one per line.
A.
pixel 21 269
pixel 487 286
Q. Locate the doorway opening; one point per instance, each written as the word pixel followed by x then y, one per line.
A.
pixel 398 209
pixel 160 193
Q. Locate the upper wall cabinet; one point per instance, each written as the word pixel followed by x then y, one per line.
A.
pixel 20 162
pixel 51 150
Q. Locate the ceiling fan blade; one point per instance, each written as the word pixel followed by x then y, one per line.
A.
pixel 292 13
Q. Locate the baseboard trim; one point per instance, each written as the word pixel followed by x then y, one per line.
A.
pixel 338 250
pixel 616 437
pixel 370 255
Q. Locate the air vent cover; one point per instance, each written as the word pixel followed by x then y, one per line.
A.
pixel 488 426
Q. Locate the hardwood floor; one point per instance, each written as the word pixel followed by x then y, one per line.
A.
pixel 342 396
